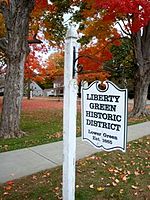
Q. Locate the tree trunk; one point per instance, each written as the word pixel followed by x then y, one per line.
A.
pixel 141 41
pixel 140 96
pixel 29 90
pixel 17 23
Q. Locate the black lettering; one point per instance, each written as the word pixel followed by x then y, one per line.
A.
pixel 106 98
pixel 88 114
pixel 118 127
pixel 91 105
pixel 97 106
pixel 117 98
pixel 112 126
pixel 118 118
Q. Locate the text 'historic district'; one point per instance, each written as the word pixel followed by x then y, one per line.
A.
pixel 104 116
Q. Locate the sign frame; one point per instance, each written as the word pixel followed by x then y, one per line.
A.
pixel 87 137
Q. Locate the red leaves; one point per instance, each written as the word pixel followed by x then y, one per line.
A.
pixel 137 10
pixel 41 6
pixel 31 65
pixel 8 186
pixel 92 58
pixel 41 3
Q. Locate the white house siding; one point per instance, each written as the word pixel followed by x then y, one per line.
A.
pixel 36 89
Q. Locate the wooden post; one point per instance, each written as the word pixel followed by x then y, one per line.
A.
pixel 69 115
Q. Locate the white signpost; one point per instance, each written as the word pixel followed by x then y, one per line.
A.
pixel 69 115
pixel 104 116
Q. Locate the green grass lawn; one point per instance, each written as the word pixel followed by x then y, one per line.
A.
pixel 102 176
pixel 41 127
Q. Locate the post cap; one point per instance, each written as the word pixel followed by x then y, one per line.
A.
pixel 72 33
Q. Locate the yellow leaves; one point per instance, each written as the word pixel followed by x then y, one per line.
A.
pixel 56 135
pixel 2 26
pixel 4 147
pixel 100 189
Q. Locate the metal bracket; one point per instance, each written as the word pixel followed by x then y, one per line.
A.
pixel 76 68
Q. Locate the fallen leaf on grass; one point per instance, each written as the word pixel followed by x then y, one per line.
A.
pixel 6 147
pixel 92 172
pixel 116 180
pixel 132 162
pixel 56 188
pixel 108 184
pixel 134 187
pixel 114 184
pixel 100 189
pixel 123 177
pixel 34 177
pixel 5 193
pixel 136 173
pixel 121 191
pixel 8 187
pixel 128 172
pixel 48 174
pixel 44 176
pixel 91 186
pixel 9 182
pixel 92 158
pixel 56 135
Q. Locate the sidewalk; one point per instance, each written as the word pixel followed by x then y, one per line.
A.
pixel 19 163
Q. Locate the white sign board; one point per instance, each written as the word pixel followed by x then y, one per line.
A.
pixel 104 116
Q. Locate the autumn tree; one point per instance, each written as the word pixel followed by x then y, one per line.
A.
pixel 90 61
pixel 99 18
pixel 121 66
pixel 54 67
pixel 20 17
pixel 33 71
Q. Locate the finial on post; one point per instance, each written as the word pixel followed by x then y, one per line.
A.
pixel 72 33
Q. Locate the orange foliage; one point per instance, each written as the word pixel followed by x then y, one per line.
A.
pixel 93 75
pixel 41 6
pixel 50 69
pixel 33 69
pixel 55 65
pixel 101 15
pixel 136 11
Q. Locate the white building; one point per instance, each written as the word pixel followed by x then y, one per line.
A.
pixel 36 89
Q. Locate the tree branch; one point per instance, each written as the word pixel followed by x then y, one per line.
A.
pixel 35 40
pixel 125 32
pixel 3 44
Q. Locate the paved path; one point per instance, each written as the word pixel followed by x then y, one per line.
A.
pixel 19 163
